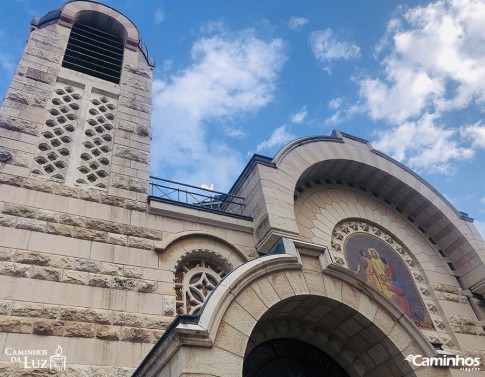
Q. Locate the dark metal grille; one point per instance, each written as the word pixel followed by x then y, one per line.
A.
pixel 95 53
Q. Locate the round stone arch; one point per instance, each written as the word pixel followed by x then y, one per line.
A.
pixel 181 246
pixel 328 214
pixel 73 10
pixel 345 158
pixel 274 297
pixel 197 254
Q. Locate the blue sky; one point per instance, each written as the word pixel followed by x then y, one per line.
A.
pixel 235 78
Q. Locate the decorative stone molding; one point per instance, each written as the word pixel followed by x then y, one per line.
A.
pixel 265 287
pixel 196 246
pixel 209 255
pixel 171 240
pixel 194 282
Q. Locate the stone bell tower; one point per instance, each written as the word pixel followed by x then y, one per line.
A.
pixel 77 112
pixel 77 276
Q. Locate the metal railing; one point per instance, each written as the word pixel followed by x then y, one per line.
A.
pixel 194 196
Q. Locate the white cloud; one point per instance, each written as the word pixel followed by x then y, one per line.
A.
pixel 475 133
pixel 424 145
pixel 235 132
pixel 342 111
pixel 433 60
pixel 278 137
pixel 412 91
pixel 335 119
pixel 213 27
pixel 231 75
pixel 327 48
pixel 300 116
pixel 6 62
pixel 335 103
pixel 166 65
pixel 159 16
pixel 296 23
pixel 282 135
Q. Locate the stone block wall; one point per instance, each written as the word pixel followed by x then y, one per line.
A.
pixel 23 114
pixel 320 210
pixel 78 263
pixel 79 269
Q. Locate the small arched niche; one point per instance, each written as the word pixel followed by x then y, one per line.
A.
pixel 102 22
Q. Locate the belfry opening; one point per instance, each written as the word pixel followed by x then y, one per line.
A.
pixel 328 259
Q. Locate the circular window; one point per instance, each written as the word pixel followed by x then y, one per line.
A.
pixel 194 281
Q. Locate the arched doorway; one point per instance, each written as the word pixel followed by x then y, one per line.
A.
pixel 259 315
pixel 290 358
pixel 317 336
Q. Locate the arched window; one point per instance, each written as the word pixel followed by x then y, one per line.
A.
pixel 194 281
pixel 96 46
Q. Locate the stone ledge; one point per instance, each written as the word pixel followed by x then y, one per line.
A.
pixel 73 265
pixel 78 232
pixel 14 157
pixel 49 327
pixel 466 325
pixel 19 125
pixel 52 327
pixel 62 190
pixel 15 370
pixel 19 313
pixel 79 221
pixel 103 279
pixel 451 297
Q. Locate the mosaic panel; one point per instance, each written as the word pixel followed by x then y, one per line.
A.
pixel 381 261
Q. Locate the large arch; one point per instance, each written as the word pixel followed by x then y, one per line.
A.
pixel 72 10
pixel 345 159
pixel 292 296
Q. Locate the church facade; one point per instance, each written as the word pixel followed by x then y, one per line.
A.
pixel 329 259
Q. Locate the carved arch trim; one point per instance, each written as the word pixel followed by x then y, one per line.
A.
pixel 166 243
pixel 353 226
